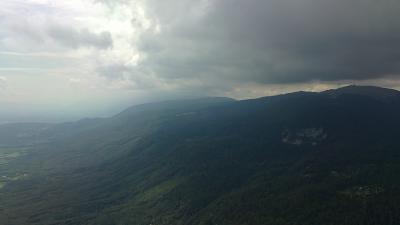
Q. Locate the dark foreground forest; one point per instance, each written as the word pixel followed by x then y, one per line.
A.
pixel 329 158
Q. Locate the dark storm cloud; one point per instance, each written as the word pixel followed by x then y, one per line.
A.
pixel 273 41
pixel 309 39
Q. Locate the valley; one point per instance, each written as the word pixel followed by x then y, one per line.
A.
pixel 300 158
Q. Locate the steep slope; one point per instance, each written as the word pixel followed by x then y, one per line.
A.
pixel 300 158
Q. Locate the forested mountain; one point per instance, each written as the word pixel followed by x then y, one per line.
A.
pixel 329 158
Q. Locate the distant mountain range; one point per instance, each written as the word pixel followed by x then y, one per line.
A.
pixel 304 158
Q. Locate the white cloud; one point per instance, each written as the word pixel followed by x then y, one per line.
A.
pixel 73 80
pixel 3 82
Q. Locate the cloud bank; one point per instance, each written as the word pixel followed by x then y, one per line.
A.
pixel 273 42
pixel 147 48
pixel 3 83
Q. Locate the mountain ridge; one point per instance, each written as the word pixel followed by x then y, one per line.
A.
pixel 299 158
pixel 376 92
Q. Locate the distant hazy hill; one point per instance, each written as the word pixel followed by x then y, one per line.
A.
pixel 329 158
pixel 369 91
pixel 21 133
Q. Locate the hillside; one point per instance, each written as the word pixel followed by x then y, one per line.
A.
pixel 329 158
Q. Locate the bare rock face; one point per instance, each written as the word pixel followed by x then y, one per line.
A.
pixel 311 136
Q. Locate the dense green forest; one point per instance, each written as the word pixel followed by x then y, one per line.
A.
pixel 329 158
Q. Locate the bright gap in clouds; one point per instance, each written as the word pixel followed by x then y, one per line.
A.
pixel 50 52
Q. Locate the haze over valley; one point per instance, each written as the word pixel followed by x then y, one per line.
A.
pixel 199 112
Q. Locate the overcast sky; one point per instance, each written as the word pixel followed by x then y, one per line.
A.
pixel 69 59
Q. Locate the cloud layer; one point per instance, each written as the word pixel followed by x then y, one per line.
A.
pixel 273 42
pixel 95 49
pixel 3 83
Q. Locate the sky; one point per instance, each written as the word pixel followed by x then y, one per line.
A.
pixel 63 60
